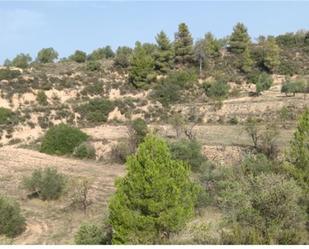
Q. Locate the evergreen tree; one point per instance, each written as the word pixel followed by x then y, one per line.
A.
pixel 122 57
pixel 271 54
pixel 47 55
pixel 211 45
pixel 246 62
pixel 183 45
pixel 239 39
pixel 164 53
pixel 142 66
pixel 154 199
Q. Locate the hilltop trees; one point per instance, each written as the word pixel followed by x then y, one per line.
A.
pixel 164 54
pixel 102 53
pixel 239 39
pixel 122 57
pixel 154 199
pixel 21 60
pixel 142 66
pixel 183 45
pixel 47 55
pixel 271 54
pixel 78 56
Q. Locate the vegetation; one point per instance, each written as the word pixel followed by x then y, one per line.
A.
pixel 154 199
pixel 78 56
pixel 46 183
pixel 5 115
pixel 47 55
pixel 12 222
pixel 62 139
pixel 96 110
pixel 41 98
pixel 84 150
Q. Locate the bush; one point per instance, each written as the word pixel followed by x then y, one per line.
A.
pixel 93 66
pixel 216 89
pixel 96 110
pixel 48 184
pixel 21 60
pixel 5 115
pixel 41 98
pixel 62 139
pixel 7 74
pixel 88 234
pixel 84 150
pixel 122 57
pixel 12 223
pixel 120 152
pixel 91 234
pixel 293 87
pixel 256 164
pixel 189 151
pixel 93 89
pixel 266 209
pixel 263 83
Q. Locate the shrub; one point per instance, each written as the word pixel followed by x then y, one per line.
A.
pixel 266 210
pixel 91 234
pixel 122 57
pixel 93 89
pixel 263 83
pixel 84 150
pixel 41 98
pixel 154 199
pixel 12 223
pixel 189 151
pixel 120 152
pixel 5 115
pixel 256 164
pixel 137 131
pixel 216 89
pixel 62 139
pixel 8 74
pixel 96 110
pixel 93 66
pixel 293 87
pixel 48 184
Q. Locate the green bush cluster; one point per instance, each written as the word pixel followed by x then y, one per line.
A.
pixel 46 183
pixel 62 139
pixel 297 86
pixel 41 98
pixel 8 74
pixel 96 110
pixel 216 89
pixel 5 115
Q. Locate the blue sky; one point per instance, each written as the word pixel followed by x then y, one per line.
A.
pixel 69 25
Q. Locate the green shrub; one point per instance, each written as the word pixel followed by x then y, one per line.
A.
pixel 138 130
pixel 47 55
pixel 189 151
pixel 120 152
pixel 62 139
pixel 93 66
pixel 96 110
pixel 263 83
pixel 91 234
pixel 8 74
pixel 48 184
pixel 84 150
pixel 88 234
pixel 256 164
pixel 93 89
pixel 216 89
pixel 12 223
pixel 5 115
pixel 298 86
pixel 41 98
pixel 21 60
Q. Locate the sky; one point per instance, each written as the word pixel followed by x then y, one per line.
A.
pixel 28 26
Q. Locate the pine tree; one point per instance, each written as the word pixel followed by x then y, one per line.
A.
pixel 142 65
pixel 212 46
pixel 163 54
pixel 271 54
pixel 183 45
pixel 239 40
pixel 246 61
pixel 154 199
